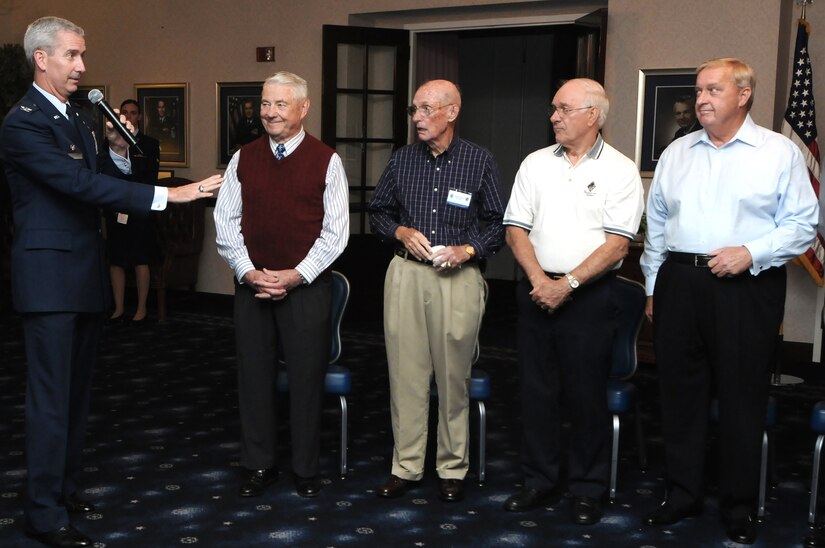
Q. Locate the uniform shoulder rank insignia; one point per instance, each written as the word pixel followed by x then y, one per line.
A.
pixel 24 108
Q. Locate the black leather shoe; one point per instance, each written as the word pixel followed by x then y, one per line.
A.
pixel 66 536
pixel 815 539
pixel 256 481
pixel 741 530
pixel 307 487
pixel 395 487
pixel 452 490
pixel 527 499
pixel 586 510
pixel 76 505
pixel 667 514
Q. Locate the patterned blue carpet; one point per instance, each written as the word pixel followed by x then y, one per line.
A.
pixel 162 451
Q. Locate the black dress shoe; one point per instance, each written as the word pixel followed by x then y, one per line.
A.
pixel 667 514
pixel 452 490
pixel 586 510
pixel 76 505
pixel 815 539
pixel 307 487
pixel 66 536
pixel 395 487
pixel 741 530
pixel 527 499
pixel 256 481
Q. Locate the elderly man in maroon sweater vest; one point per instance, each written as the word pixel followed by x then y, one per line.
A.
pixel 281 222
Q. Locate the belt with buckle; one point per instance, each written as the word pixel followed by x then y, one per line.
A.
pixel 693 259
pixel 404 254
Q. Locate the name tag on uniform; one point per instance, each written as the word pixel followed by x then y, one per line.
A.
pixel 122 218
pixel 459 199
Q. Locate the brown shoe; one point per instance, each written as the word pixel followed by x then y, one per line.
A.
pixel 452 490
pixel 395 487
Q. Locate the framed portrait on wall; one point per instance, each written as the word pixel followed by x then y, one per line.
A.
pixel 666 112
pixel 80 98
pixel 238 117
pixel 165 109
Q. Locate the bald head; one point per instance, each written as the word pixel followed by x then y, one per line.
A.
pixel 444 91
pixel 436 107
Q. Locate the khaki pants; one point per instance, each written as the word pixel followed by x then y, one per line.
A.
pixel 431 324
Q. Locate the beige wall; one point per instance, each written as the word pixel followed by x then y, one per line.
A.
pixel 205 41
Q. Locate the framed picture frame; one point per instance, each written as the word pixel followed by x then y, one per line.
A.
pixel 80 98
pixel 666 103
pixel 165 109
pixel 238 107
pixel 166 173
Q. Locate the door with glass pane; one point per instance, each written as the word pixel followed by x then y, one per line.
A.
pixel 365 81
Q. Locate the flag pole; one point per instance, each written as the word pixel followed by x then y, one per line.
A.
pixel 804 4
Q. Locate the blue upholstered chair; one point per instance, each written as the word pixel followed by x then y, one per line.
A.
pixel 818 426
pixel 338 381
pixel 770 422
pixel 479 390
pixel 621 394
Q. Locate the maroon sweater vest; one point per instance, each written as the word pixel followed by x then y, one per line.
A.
pixel 283 201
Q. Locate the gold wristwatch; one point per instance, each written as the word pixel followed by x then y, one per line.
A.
pixel 470 250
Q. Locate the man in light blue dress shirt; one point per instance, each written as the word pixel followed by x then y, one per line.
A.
pixel 728 207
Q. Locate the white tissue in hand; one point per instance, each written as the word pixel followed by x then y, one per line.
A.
pixel 435 249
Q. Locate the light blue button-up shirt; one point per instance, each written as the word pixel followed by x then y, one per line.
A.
pixel 753 191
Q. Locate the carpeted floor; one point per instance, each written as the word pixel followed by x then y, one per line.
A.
pixel 162 451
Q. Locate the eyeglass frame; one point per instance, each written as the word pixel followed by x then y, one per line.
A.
pixel 564 112
pixel 412 109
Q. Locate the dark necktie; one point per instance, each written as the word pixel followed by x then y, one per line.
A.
pixel 280 152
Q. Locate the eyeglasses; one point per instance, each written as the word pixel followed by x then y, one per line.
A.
pixel 425 110
pixel 563 111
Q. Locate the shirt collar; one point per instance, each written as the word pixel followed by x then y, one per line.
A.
pixel 58 104
pixel 747 134
pixel 592 154
pixel 290 145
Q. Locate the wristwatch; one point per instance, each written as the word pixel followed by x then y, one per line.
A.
pixel 574 283
pixel 470 250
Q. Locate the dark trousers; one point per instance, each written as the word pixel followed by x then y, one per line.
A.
pixel 300 326
pixel 715 337
pixel 567 355
pixel 61 351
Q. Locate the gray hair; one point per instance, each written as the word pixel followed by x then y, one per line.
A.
pixel 299 86
pixel 594 95
pixel 42 33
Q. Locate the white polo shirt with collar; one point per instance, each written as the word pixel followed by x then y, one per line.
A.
pixel 568 209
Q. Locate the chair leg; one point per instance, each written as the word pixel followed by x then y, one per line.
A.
pixel 614 457
pixel 815 479
pixel 344 428
pixel 640 439
pixel 763 476
pixel 482 442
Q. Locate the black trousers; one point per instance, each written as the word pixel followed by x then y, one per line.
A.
pixel 567 355
pixel 715 337
pixel 61 352
pixel 300 326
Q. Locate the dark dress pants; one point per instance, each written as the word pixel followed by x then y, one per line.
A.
pixel 300 326
pixel 567 355
pixel 715 337
pixel 61 351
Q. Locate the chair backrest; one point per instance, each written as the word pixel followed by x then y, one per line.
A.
pixel 340 296
pixel 631 300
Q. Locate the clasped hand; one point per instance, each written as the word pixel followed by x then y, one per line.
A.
pixel 272 284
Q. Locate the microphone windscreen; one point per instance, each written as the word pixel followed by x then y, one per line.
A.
pixel 95 96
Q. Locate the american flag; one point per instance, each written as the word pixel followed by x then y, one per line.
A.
pixel 799 126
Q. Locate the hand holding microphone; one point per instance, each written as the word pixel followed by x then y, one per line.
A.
pixel 96 97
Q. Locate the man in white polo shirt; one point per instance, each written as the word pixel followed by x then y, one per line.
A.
pixel 575 207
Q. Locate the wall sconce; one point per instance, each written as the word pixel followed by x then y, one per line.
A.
pixel 265 54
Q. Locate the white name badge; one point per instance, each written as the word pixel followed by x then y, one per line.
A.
pixel 459 199
pixel 122 218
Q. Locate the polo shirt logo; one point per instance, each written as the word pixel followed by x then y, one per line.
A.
pixel 590 188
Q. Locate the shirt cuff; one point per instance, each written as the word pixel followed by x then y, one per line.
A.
pixel 160 199
pixel 123 164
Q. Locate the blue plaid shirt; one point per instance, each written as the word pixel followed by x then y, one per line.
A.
pixel 413 192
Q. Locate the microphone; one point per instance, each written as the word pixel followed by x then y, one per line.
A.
pixel 96 97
